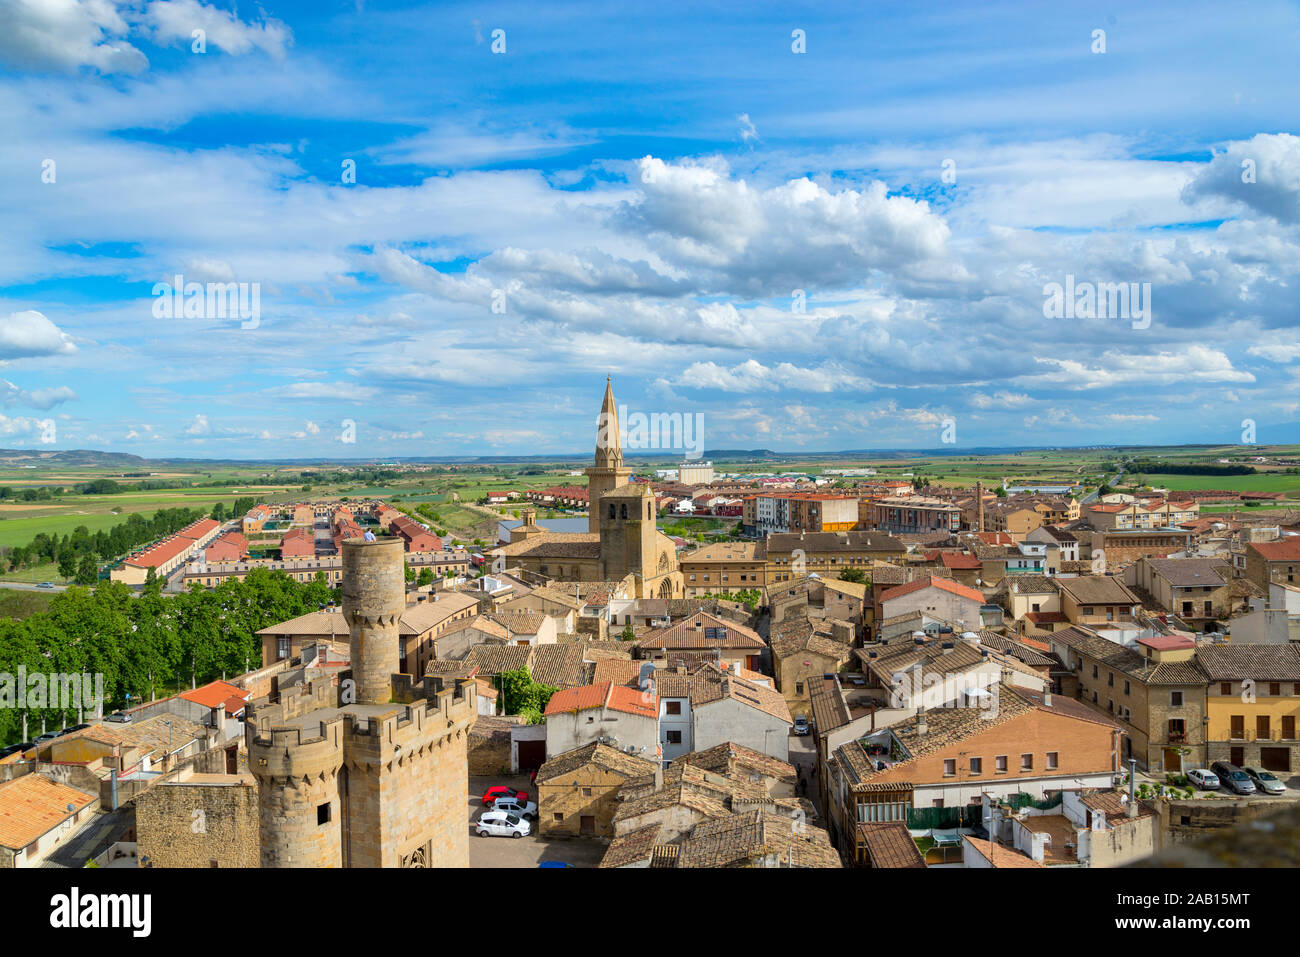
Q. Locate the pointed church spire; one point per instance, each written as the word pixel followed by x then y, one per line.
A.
pixel 609 447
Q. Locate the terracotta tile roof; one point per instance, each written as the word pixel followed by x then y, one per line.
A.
pixel 558 666
pixel 728 757
pixel 496 659
pixel 757 838
pixel 609 696
pixel 828 707
pixel 219 693
pixel 617 671
pixel 1113 805
pixel 959 561
pixel 602 756
pixel 1119 658
pixel 631 848
pixel 693 632
pixel 1256 662
pixel 890 845
pixel 945 584
pixel 34 804
pixel 1283 550
pixel 1000 856
pixel 1098 590
pixel 1030 656
pixel 1189 572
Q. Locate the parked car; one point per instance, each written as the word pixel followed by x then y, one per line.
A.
pixel 801 725
pixel 14 749
pixel 47 736
pixel 119 717
pixel 514 805
pixel 491 794
pixel 501 824
pixel 1233 778
pixel 1265 781
pixel 45 585
pixel 75 727
pixel 1204 779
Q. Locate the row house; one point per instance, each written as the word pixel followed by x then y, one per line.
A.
pixel 1155 689
pixel 1253 705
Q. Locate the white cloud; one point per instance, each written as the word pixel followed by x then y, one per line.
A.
pixel 199 426
pixel 66 35
pixel 176 20
pixel 11 394
pixel 27 334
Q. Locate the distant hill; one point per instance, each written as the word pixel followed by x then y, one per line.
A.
pixel 90 457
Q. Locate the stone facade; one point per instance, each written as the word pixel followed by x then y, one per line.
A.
pixel 373 771
pixel 206 820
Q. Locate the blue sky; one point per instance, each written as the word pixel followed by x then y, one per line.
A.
pixel 642 192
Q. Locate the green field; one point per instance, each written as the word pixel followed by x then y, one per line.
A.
pixel 1262 482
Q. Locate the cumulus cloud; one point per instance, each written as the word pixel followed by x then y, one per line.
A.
pixel 11 394
pixel 176 20
pixel 199 426
pixel 65 35
pixel 27 334
pixel 1261 174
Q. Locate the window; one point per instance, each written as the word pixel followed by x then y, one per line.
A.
pixel 1126 687
pixel 672 707
pixel 591 718
pixel 976 765
pixel 1094 671
pixel 1275 688
pixel 282 648
pixel 1110 679
pixel 949 766
pixel 1026 762
pixel 674 737
pixel 1225 687
pixel 586 792
pixel 557 816
pixel 1052 760
pixel 1175 699
pixel 1000 763
pixel 798 687
pixel 323 813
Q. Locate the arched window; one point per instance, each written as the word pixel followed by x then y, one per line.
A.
pixel 611 509
pixel 622 510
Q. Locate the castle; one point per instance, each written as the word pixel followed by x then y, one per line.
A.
pixel 371 771
pixel 622 543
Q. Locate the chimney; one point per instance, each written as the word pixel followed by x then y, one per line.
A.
pixel 1132 808
pixel 1047 698
pixel 921 726
pixel 979 507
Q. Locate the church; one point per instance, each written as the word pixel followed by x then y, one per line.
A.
pixel 622 543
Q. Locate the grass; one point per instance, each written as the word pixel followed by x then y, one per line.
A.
pixel 1261 482
pixel 22 604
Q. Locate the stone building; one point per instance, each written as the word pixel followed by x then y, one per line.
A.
pixel 623 543
pixel 577 791
pixel 199 820
pixel 371 771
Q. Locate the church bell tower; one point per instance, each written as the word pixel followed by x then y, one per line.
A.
pixel 607 472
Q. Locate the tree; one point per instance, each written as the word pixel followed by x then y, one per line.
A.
pixel 628 633
pixel 87 571
pixel 67 563
pixel 425 577
pixel 410 572
pixel 855 575
pixel 521 695
pixel 219 512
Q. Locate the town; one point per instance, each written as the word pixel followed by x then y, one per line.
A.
pixel 852 671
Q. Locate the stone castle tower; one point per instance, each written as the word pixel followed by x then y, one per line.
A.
pixel 371 771
pixel 607 472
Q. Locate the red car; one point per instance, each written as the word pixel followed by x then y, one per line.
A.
pixel 491 794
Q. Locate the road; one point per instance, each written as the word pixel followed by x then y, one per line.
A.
pixel 31 586
pixel 1092 496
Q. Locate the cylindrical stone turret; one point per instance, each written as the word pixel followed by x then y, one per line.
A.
pixel 374 597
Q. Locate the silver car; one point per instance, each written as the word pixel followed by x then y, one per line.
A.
pixel 1204 779
pixel 1264 781
pixel 801 726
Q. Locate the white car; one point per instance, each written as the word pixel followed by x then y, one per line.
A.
pixel 501 824
pixel 512 805
pixel 1204 779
